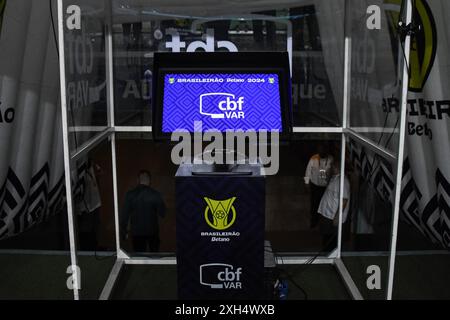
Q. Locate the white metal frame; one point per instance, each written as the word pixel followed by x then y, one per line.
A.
pixel 400 155
pixel 335 258
pixel 66 147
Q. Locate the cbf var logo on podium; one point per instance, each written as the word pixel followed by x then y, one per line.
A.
pixel 220 215
pixel 220 276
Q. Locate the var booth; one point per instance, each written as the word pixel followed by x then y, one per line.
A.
pixel 235 225
pixel 220 194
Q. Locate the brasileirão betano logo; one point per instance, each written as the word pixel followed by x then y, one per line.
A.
pixel 423 44
pixel 220 215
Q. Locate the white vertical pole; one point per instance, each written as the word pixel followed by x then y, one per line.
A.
pixel 67 170
pixel 109 63
pixel 289 45
pixel 400 155
pixel 341 196
pixel 345 122
pixel 111 116
pixel 116 202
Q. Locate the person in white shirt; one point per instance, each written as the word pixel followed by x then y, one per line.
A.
pixel 317 176
pixel 329 207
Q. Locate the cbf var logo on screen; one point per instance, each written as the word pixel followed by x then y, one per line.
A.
pixel 219 105
pixel 220 215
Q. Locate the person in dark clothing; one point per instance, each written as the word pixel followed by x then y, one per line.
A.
pixel 142 209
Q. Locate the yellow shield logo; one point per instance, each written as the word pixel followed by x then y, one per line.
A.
pixel 423 44
pixel 220 215
pixel 423 47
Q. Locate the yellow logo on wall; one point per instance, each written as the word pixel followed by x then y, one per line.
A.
pixel 220 215
pixel 423 47
pixel 423 44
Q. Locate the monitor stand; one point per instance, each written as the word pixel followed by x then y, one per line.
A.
pixel 198 252
pixel 223 167
pixel 223 170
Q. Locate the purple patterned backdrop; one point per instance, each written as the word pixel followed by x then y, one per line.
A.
pixel 221 101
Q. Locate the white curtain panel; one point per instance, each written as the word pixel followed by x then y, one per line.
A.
pixel 429 155
pixel 31 163
pixel 426 179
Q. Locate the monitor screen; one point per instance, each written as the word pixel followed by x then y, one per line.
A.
pixel 221 101
pixel 222 91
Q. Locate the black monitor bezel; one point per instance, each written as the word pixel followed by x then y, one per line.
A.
pixel 236 63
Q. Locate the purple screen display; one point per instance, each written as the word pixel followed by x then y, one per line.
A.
pixel 221 102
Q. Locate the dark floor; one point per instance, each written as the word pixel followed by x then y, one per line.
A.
pixel 159 283
pixel 287 227
pixel 31 276
pixel 42 277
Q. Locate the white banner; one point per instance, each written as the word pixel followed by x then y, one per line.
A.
pixel 426 193
pixel 31 166
pixel 425 200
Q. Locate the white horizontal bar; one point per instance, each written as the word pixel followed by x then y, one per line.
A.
pixel 152 261
pixel 87 129
pixel 148 129
pixel 375 130
pixel 56 252
pixel 284 260
pixel 317 130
